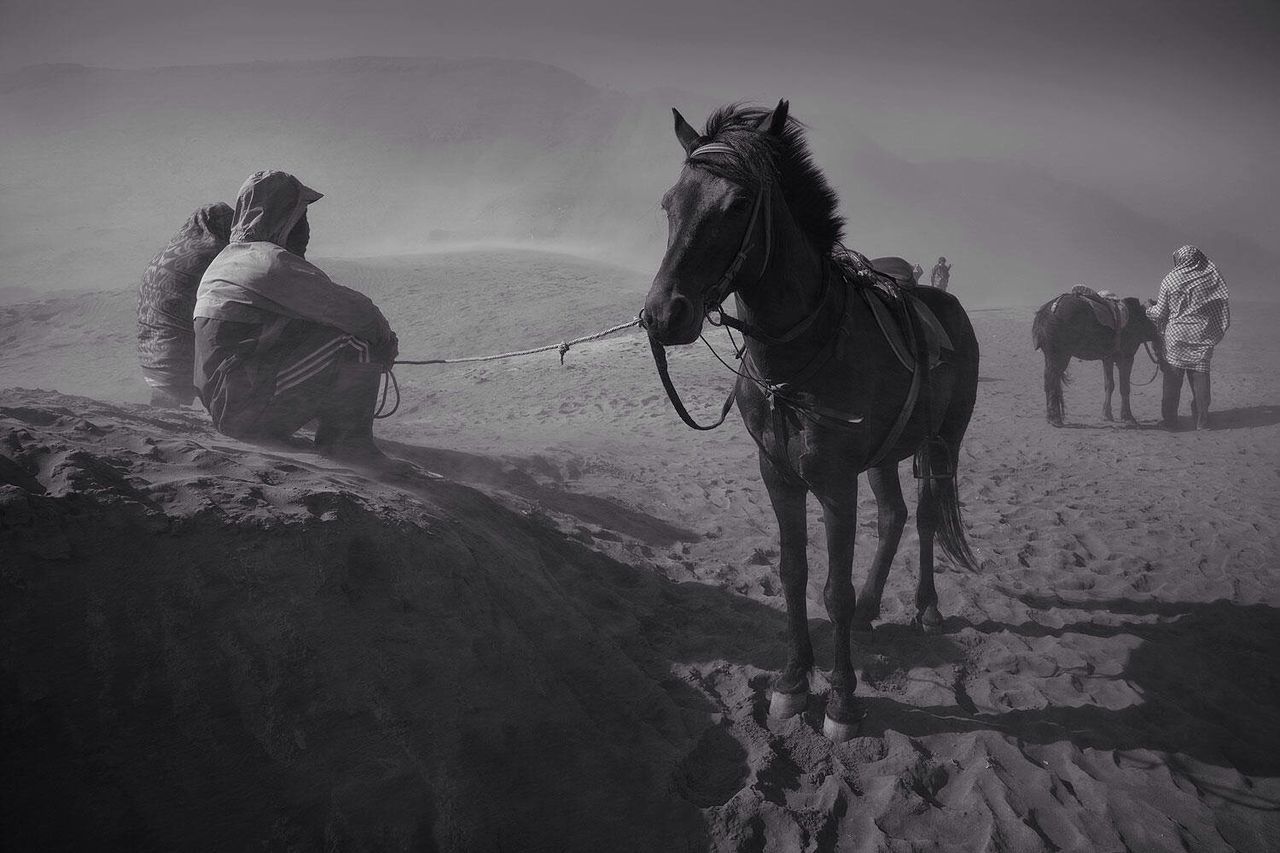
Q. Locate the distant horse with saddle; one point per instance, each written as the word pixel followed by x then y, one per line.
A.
pixel 1090 326
pixel 846 367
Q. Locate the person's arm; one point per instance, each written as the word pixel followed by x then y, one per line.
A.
pixel 308 294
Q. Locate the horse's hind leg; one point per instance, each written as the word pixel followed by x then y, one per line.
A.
pixel 1109 384
pixel 840 511
pixel 892 517
pixel 791 688
pixel 927 516
pixel 1055 365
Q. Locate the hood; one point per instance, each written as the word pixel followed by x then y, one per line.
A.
pixel 270 203
pixel 213 220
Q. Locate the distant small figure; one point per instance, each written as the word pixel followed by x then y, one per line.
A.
pixel 941 274
pixel 1192 312
pixel 918 272
pixel 167 302
pixel 278 343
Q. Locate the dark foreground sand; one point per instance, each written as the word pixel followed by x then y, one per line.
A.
pixel 565 642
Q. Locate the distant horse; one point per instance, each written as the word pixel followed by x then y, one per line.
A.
pixel 1072 325
pixel 843 371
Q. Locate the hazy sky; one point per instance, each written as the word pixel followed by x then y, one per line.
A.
pixel 1165 103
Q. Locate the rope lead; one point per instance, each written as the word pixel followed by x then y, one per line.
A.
pixel 563 347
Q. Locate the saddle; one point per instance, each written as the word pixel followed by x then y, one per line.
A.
pixel 896 268
pixel 892 306
pixel 1110 311
pixel 918 340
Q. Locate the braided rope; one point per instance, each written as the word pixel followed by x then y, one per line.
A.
pixel 562 347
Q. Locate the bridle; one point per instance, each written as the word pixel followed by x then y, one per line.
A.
pixel 713 297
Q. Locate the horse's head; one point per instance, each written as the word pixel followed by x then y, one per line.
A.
pixel 1139 323
pixel 718 221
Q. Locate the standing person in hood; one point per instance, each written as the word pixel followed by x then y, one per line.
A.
pixel 278 343
pixel 167 301
pixel 1192 312
pixel 941 275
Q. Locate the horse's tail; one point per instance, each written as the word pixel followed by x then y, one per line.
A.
pixel 1043 325
pixel 946 495
pixel 1045 329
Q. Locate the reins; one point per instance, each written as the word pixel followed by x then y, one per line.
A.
pixel 1147 346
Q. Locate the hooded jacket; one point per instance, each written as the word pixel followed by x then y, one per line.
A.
pixel 1193 309
pixel 167 298
pixel 256 280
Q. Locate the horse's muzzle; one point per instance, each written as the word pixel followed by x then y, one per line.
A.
pixel 672 322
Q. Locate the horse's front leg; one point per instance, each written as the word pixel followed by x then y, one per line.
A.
pixel 891 519
pixel 1125 364
pixel 1109 385
pixel 791 689
pixel 840 511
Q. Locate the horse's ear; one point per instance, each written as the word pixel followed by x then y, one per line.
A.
pixel 776 121
pixel 685 133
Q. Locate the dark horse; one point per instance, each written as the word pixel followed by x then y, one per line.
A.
pixel 819 387
pixel 1068 326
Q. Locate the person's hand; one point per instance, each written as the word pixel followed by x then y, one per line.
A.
pixel 386 352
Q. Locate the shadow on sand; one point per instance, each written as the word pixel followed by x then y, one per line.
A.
pixel 1244 418
pixel 1241 418
pixel 488 471
pixel 1207 672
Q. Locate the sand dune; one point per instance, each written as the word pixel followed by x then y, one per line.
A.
pixel 565 642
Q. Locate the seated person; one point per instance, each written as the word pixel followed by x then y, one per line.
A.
pixel 278 343
pixel 167 300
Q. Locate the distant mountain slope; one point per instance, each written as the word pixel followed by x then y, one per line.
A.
pixel 99 166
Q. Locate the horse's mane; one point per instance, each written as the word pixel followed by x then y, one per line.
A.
pixel 760 155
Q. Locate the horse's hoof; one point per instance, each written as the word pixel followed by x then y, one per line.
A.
pixel 1107 416
pixel 929 621
pixel 784 706
pixel 1055 422
pixel 862 626
pixel 841 732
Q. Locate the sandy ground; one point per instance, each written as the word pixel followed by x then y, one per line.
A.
pixel 595 675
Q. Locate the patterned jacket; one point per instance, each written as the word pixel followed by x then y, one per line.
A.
pixel 167 299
